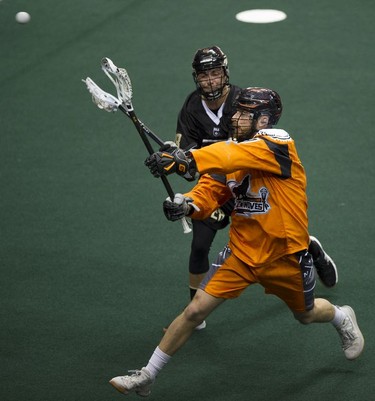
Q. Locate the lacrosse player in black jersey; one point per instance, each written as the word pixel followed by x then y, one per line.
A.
pixel 205 119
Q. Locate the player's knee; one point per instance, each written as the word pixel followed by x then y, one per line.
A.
pixel 194 313
pixel 199 269
pixel 200 249
pixel 199 263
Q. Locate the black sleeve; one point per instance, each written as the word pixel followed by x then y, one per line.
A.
pixel 187 130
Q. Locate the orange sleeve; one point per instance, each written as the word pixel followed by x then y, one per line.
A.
pixel 209 194
pixel 228 157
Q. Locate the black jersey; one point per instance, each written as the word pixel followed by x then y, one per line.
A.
pixel 197 124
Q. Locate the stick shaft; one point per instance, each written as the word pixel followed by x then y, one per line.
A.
pixel 150 150
pixel 145 129
pixel 141 130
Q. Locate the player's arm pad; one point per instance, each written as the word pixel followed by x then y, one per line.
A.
pixel 179 208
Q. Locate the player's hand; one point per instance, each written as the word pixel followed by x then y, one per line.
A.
pixel 179 208
pixel 174 160
pixel 168 146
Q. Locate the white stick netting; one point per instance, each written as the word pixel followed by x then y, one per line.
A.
pixel 102 99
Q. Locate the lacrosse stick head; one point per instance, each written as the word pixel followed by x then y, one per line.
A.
pixel 120 79
pixel 102 99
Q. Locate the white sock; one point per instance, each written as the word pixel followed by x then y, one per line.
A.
pixel 339 317
pixel 157 362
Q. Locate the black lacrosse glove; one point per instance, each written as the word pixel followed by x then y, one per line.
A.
pixel 179 208
pixel 173 160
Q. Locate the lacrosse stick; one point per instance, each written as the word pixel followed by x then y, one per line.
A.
pixel 106 101
pixel 110 103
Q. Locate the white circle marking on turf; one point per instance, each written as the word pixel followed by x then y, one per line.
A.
pixel 260 16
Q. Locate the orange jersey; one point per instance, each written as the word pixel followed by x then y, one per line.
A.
pixel 268 182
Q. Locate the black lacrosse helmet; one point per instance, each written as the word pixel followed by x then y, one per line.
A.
pixel 209 58
pixel 260 101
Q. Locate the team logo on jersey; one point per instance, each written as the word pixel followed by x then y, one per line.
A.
pixel 218 215
pixel 246 202
pixel 216 131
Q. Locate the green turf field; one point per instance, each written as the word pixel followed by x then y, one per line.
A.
pixel 90 268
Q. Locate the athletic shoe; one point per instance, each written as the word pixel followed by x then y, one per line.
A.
pixel 140 382
pixel 199 327
pixel 324 264
pixel 350 334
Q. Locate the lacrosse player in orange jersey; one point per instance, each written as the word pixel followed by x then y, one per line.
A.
pixel 268 237
pixel 203 120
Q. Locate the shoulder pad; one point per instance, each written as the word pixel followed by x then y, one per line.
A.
pixel 274 133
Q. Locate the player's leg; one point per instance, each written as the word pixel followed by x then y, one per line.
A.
pixel 343 318
pixel 298 273
pixel 213 292
pixel 178 332
pixel 324 264
pixel 182 327
pixel 203 236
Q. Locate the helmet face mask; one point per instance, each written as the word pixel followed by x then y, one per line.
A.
pixel 242 125
pixel 261 106
pixel 206 63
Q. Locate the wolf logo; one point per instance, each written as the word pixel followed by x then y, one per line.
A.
pixel 248 203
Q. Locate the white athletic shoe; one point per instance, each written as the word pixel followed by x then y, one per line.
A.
pixel 201 326
pixel 140 382
pixel 350 334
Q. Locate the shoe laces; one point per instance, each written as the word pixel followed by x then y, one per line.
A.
pixel 134 376
pixel 140 376
pixel 135 372
pixel 347 333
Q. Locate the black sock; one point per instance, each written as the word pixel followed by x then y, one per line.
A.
pixel 192 292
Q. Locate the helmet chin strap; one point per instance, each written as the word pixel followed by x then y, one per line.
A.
pixel 211 96
pixel 214 94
